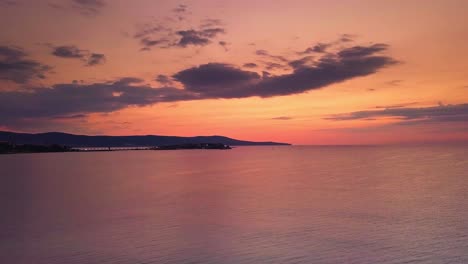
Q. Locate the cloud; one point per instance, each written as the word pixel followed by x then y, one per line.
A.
pixel 217 80
pixel 325 47
pixel 79 116
pixel 210 23
pixel 96 59
pixel 274 66
pixel 127 81
pixel 266 54
pixel 149 43
pixel 68 52
pixel 198 37
pixel 15 66
pixel 169 33
pixel 284 118
pixel 440 113
pixel 302 62
pixel 73 52
pixel 250 65
pixel 88 7
pixel 361 51
pixel 146 30
pixel 164 80
pixel 266 74
pixel 154 35
pixel 80 99
pixel 165 38
pixel 396 105
pixel 224 44
pixel 191 37
pixel 206 81
pixel 318 48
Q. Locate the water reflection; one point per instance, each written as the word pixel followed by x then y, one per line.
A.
pixel 247 205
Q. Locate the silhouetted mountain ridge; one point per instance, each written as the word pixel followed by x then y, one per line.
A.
pixel 120 141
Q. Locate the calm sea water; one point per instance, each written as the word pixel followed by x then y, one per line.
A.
pixel 246 205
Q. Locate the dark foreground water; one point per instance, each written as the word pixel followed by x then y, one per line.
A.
pixel 246 205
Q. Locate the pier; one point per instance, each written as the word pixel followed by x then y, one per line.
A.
pixel 109 148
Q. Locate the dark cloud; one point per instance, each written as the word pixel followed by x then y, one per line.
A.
pixel 266 74
pixel 274 66
pixel 154 35
pixel 440 113
pixel 89 7
pixel 158 36
pixel 224 44
pixel 322 48
pixel 216 80
pixel 210 23
pixel 79 116
pixel 302 62
pixel 149 43
pixel 191 37
pixel 282 118
pixel 146 30
pixel 96 59
pixel 69 52
pixel 169 33
pixel 198 37
pixel 396 105
pixel 213 79
pixel 227 81
pixel 250 65
pixel 360 51
pixel 318 48
pixel 164 79
pixel 15 66
pixel 211 32
pixel 266 54
pixel 325 72
pixel 73 52
pixel 207 81
pixel 127 81
pixel 80 99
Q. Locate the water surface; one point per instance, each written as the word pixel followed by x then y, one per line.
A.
pixel 247 205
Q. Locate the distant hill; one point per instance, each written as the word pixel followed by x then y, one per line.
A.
pixel 72 140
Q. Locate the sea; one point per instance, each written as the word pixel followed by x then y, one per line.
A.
pixel 269 204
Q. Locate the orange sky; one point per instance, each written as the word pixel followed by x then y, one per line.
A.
pixel 424 82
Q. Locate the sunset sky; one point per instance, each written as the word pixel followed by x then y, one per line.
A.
pixel 297 71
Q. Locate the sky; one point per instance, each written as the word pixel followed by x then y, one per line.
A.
pixel 297 71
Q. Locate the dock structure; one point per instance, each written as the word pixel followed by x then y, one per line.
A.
pixel 109 148
pixel 7 148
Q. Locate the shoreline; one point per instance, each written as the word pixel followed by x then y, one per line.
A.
pixel 29 148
